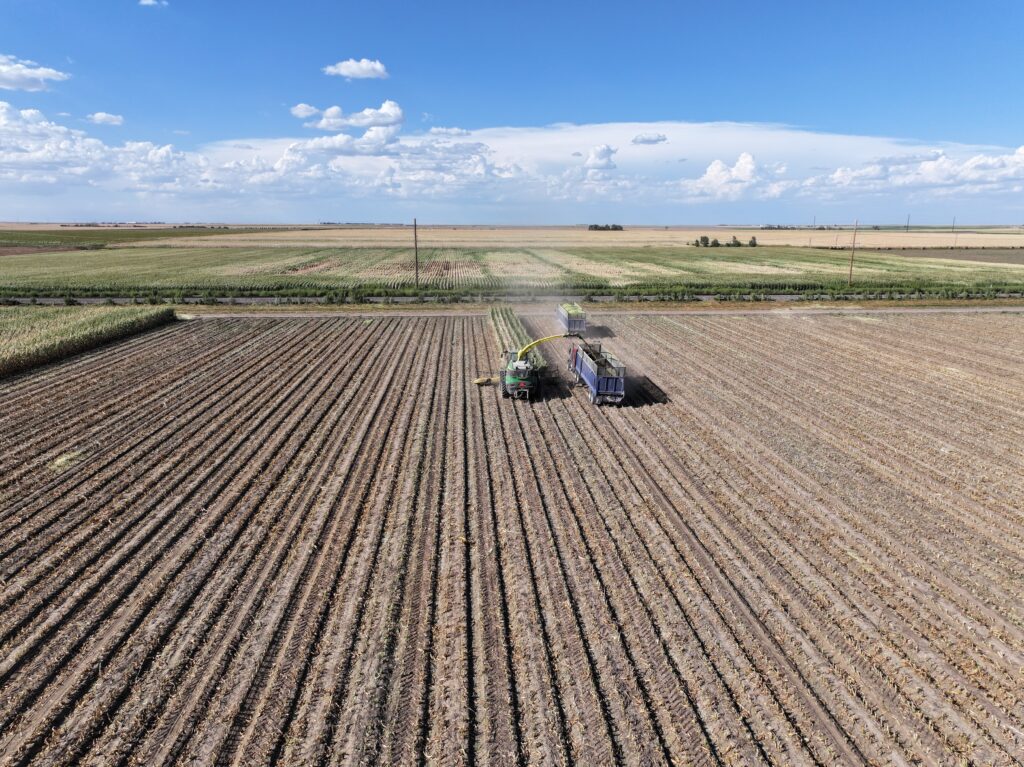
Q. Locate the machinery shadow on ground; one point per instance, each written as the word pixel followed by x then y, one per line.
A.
pixel 599 332
pixel 641 391
pixel 553 387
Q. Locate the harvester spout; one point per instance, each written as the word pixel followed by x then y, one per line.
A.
pixel 526 349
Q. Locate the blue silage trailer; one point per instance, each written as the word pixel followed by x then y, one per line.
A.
pixel 572 317
pixel 604 375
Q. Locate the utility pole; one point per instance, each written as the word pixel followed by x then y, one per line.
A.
pixel 955 235
pixel 849 282
pixel 416 251
pixel 908 223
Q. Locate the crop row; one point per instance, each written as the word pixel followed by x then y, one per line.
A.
pixel 511 335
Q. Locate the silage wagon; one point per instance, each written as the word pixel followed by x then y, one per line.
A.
pixel 572 317
pixel 600 371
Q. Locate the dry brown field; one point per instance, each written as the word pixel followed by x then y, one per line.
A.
pixel 242 541
pixel 566 237
pixel 437 236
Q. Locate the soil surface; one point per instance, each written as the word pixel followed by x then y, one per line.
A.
pixel 981 255
pixel 313 540
pixel 27 250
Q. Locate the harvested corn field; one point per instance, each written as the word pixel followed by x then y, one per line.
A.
pixel 454 271
pixel 312 541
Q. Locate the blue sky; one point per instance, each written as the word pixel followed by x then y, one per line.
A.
pixel 520 113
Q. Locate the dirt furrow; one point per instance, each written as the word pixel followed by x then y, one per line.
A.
pixel 739 405
pixel 589 717
pixel 108 445
pixel 790 685
pixel 877 658
pixel 87 429
pixel 495 708
pixel 314 541
pixel 384 727
pixel 98 369
pixel 99 376
pixel 984 570
pixel 446 731
pixel 855 482
pixel 400 735
pixel 873 436
pixel 940 538
pixel 91 555
pixel 644 673
pixel 231 640
pixel 543 725
pixel 244 631
pixel 902 640
pixel 698 705
pixel 70 516
pixel 839 699
pixel 211 546
pixel 311 608
pixel 311 727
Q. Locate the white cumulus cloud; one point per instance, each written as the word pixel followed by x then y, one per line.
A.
pixel 938 172
pixel 724 182
pixel 363 69
pixel 105 118
pixel 36 152
pixel 24 75
pixel 303 111
pixel 525 174
pixel 332 118
pixel 600 158
pixel 649 138
pixel 448 132
pixel 160 3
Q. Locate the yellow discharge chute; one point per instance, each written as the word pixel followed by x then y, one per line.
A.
pixel 525 350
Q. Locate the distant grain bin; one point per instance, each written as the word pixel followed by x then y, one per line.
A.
pixel 572 317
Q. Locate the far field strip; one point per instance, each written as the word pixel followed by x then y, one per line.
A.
pixel 344 273
pixel 534 311
pixel 631 236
